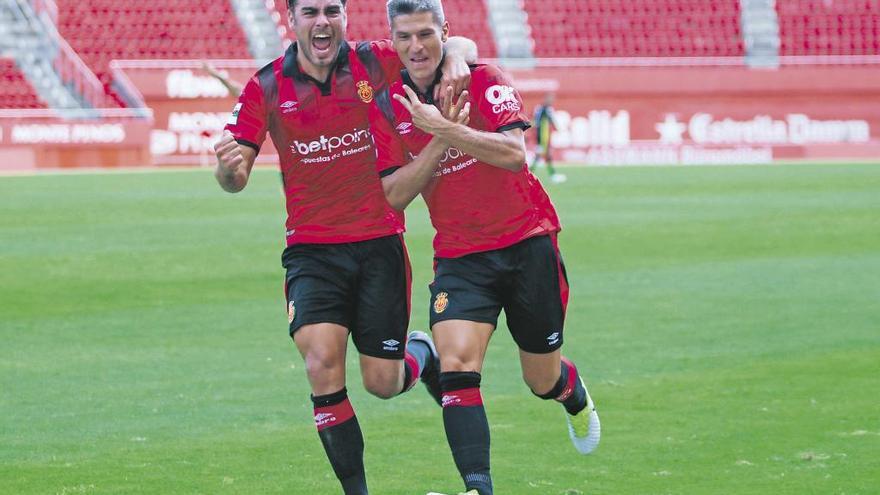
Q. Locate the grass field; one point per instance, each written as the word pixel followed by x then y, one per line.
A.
pixel 727 320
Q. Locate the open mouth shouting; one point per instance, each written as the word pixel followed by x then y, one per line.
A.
pixel 322 45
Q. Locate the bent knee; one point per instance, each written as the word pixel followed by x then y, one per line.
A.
pixel 383 388
pixel 540 384
pixel 323 364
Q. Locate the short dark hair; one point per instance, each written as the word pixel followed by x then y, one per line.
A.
pixel 396 8
pixel 292 3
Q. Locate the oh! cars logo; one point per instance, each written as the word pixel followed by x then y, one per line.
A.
pixel 502 98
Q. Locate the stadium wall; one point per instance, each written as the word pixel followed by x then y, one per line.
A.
pixel 605 115
pixel 716 115
pixel 31 139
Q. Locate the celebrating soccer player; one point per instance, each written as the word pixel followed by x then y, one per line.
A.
pixel 495 243
pixel 347 267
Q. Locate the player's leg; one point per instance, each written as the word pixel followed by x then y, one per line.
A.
pixel 390 362
pixel 555 176
pixel 464 313
pixel 462 347
pixel 319 322
pixel 554 377
pixel 536 159
pixel 322 347
pixel 535 305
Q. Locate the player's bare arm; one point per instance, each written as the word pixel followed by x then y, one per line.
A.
pixel 234 163
pixel 505 149
pixel 460 52
pixel 402 186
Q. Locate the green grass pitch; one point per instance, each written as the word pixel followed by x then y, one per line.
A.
pixel 727 320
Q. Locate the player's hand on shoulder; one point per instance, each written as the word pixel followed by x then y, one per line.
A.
pixel 456 73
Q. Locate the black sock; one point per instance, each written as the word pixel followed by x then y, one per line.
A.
pixel 568 389
pixel 467 428
pixel 343 441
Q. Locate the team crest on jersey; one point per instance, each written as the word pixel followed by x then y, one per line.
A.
pixel 365 91
pixel 441 302
pixel 291 312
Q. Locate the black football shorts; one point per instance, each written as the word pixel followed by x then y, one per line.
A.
pixel 363 286
pixel 527 280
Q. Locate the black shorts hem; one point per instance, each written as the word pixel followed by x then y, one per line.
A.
pixel 292 330
pixel 392 357
pixel 545 350
pixel 474 319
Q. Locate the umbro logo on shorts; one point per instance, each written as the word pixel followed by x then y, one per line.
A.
pixel 553 338
pixel 390 345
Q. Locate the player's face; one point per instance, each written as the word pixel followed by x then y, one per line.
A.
pixel 320 29
pixel 419 40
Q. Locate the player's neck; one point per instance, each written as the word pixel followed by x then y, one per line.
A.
pixel 316 72
pixel 423 84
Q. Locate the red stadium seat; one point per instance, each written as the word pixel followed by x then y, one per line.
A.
pixel 104 30
pixel 637 28
pixel 368 21
pixel 15 89
pixel 822 27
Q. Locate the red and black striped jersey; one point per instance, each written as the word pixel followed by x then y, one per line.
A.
pixel 321 131
pixel 474 206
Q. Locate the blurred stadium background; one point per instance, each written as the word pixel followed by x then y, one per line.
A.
pixel 726 317
pixel 111 83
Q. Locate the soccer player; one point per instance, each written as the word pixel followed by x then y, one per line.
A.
pixel 495 244
pixel 347 267
pixel 545 125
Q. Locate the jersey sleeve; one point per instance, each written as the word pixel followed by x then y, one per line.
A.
pixel 388 59
pixel 498 102
pixel 390 150
pixel 248 121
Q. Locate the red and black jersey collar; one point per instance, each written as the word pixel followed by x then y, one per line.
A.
pixel 428 96
pixel 290 66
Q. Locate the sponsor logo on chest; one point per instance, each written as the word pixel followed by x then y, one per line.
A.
pixel 503 99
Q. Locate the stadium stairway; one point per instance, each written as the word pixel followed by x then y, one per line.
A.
pixel 510 25
pixel 27 39
pixel 760 29
pixel 259 26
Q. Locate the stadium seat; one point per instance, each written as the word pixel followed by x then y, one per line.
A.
pixel 368 21
pixel 637 28
pixel 15 89
pixel 821 27
pixel 104 30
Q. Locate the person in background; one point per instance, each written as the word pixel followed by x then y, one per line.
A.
pixel 545 126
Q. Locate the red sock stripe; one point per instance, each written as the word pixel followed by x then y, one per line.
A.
pixel 326 417
pixel 572 380
pixel 466 397
pixel 414 371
